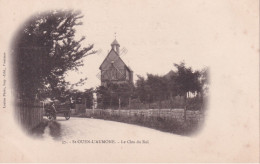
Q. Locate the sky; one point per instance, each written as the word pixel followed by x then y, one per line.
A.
pixel 156 35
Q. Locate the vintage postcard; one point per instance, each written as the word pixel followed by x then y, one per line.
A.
pixel 129 81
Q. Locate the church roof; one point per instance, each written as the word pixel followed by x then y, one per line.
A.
pixel 115 42
pixel 112 50
pixel 119 59
pixel 129 68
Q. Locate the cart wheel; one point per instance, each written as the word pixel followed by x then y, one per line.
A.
pixel 67 115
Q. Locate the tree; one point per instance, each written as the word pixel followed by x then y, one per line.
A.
pixel 44 50
pixel 141 89
pixel 158 85
pixel 103 97
pixel 187 81
pixel 172 86
pixel 88 95
pixel 154 88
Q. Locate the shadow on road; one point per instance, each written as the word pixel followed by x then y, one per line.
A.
pixel 54 129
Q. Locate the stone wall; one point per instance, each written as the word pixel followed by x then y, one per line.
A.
pixel 167 114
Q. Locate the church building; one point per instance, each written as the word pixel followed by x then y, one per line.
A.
pixel 113 69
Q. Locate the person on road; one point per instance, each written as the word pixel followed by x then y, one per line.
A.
pixel 53 110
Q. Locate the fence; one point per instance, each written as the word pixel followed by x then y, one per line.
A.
pixel 195 103
pixel 176 102
pixel 29 114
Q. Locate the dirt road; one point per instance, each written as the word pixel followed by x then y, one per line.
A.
pixel 88 129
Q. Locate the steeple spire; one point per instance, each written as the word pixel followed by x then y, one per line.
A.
pixel 115 45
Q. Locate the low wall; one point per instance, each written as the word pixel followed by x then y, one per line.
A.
pixel 169 120
pixel 167 114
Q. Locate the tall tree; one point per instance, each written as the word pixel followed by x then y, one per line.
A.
pixel 141 89
pixel 186 80
pixel 44 50
pixel 159 87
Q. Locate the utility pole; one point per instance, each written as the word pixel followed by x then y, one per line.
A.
pixel 119 103
pixel 129 103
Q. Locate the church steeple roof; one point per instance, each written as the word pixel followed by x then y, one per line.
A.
pixel 115 46
pixel 115 42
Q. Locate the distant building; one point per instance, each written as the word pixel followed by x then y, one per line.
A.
pixel 170 75
pixel 113 69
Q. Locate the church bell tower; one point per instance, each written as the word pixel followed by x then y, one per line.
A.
pixel 115 46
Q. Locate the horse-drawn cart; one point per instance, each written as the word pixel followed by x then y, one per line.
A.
pixel 52 110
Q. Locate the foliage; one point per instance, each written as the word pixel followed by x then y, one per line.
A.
pixel 80 97
pixel 44 50
pixel 187 80
pixel 155 88
pixel 158 91
pixel 158 87
pixel 142 90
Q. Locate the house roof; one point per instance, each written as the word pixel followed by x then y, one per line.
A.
pixel 170 74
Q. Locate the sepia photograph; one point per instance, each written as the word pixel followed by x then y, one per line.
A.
pixel 129 81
